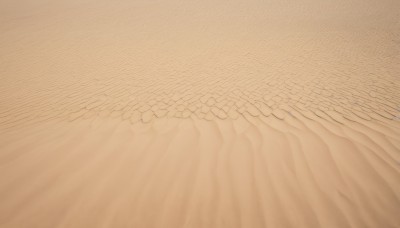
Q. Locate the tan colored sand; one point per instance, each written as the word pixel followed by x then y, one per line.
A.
pixel 171 114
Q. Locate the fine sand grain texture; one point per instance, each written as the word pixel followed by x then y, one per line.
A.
pixel 189 114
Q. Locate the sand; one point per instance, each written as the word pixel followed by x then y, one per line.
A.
pixel 199 114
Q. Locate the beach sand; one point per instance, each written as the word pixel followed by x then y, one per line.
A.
pixel 214 114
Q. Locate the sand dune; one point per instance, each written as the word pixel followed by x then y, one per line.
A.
pixel 199 114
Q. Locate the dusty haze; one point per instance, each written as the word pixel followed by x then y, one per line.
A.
pixel 168 114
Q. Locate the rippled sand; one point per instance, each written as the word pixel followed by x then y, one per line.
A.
pixel 199 114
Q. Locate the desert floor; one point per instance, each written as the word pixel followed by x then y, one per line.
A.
pixel 214 114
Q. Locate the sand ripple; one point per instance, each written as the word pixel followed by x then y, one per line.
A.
pixel 199 114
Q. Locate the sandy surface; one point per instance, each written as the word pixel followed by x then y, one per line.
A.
pixel 171 114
